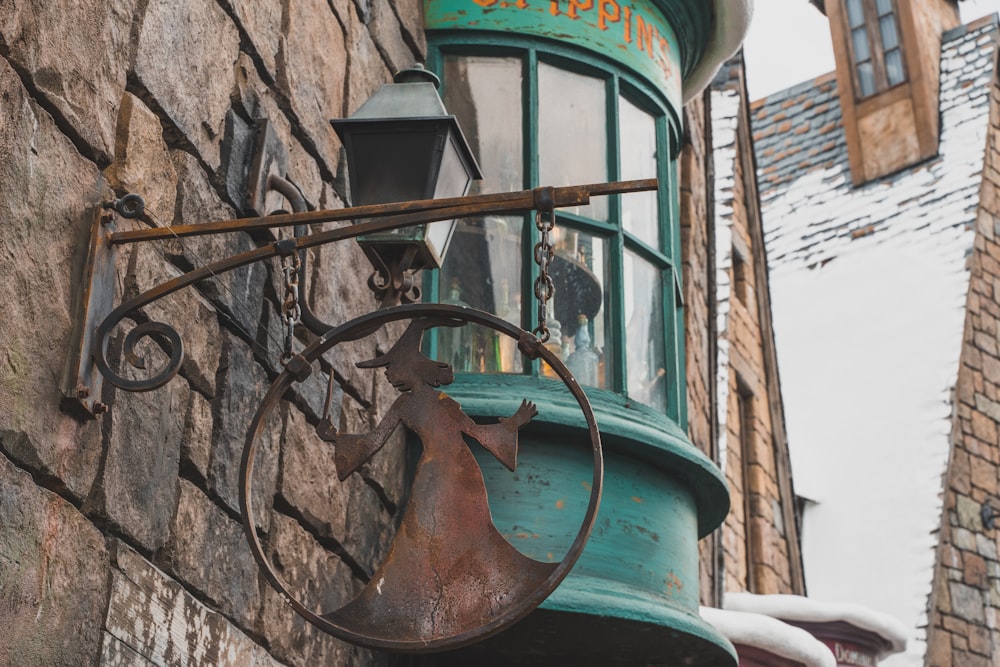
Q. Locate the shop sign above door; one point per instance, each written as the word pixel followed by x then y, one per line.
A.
pixel 633 33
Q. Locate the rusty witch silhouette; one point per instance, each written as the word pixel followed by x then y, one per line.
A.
pixel 447 546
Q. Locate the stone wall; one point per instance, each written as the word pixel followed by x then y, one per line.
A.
pixel 120 541
pixel 964 606
pixel 759 536
pixel 697 254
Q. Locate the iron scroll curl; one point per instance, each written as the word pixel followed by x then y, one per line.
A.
pixel 339 625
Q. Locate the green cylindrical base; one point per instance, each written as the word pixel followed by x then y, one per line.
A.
pixel 632 598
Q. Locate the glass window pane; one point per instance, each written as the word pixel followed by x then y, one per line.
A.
pixel 860 40
pixel 482 270
pixel 866 79
pixel 883 7
pixel 638 160
pixel 572 133
pixel 894 66
pixel 855 13
pixel 577 316
pixel 646 355
pixel 887 26
pixel 485 96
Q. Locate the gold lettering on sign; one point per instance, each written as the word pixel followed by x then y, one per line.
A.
pixel 607 10
pixel 647 37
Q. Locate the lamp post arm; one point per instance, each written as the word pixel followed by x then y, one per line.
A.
pixel 401 214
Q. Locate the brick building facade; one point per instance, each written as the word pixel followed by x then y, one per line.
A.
pixel 878 198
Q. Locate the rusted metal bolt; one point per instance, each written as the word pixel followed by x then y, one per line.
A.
pixel 82 391
pixel 107 218
pixel 100 408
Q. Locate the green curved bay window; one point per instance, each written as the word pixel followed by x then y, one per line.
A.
pixel 551 116
pixel 564 92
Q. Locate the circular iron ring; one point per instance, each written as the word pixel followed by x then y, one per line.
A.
pixel 363 326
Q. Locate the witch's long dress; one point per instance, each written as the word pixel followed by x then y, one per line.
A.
pixel 448 570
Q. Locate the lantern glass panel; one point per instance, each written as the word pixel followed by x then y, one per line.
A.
pixel 391 166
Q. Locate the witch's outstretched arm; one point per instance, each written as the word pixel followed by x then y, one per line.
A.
pixel 351 450
pixel 501 439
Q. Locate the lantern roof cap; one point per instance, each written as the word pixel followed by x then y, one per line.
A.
pixel 413 94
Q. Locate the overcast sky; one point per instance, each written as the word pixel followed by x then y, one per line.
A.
pixel 789 42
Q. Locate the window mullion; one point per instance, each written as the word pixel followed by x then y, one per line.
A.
pixel 877 55
pixel 531 159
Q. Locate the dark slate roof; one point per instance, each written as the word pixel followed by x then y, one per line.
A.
pixel 810 208
pixel 796 130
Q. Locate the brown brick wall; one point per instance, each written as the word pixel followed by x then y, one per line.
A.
pixel 964 606
pixel 697 254
pixel 760 542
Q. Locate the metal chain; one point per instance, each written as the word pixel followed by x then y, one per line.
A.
pixel 544 287
pixel 291 311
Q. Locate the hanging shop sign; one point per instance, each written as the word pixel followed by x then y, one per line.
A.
pixel 633 33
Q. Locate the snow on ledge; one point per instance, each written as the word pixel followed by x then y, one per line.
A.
pixel 807 610
pixel 771 635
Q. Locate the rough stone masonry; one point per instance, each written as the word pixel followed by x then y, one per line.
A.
pixel 120 540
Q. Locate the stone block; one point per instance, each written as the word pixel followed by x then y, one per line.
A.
pixel 979 640
pixel 53 577
pixel 320 581
pixel 153 620
pixel 960 473
pixel 262 23
pixel 965 539
pixel 309 481
pixel 983 427
pixel 137 491
pixel 239 293
pixel 368 71
pixel 387 32
pixel 966 602
pixel 185 58
pixel 310 74
pixel 77 57
pixel 46 233
pixel 256 99
pixel 984 475
pixel 196 445
pixel 411 18
pixel 968 516
pixel 243 385
pixel 939 649
pixel 209 553
pixel 974 572
pixel 141 161
pixel 986 547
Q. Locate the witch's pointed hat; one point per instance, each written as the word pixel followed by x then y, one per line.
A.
pixel 410 341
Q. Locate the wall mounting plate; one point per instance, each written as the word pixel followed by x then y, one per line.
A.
pixel 82 382
pixel 269 157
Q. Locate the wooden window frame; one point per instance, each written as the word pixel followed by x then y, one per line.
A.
pixel 876 51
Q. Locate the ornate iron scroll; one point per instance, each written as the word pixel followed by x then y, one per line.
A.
pixel 425 596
